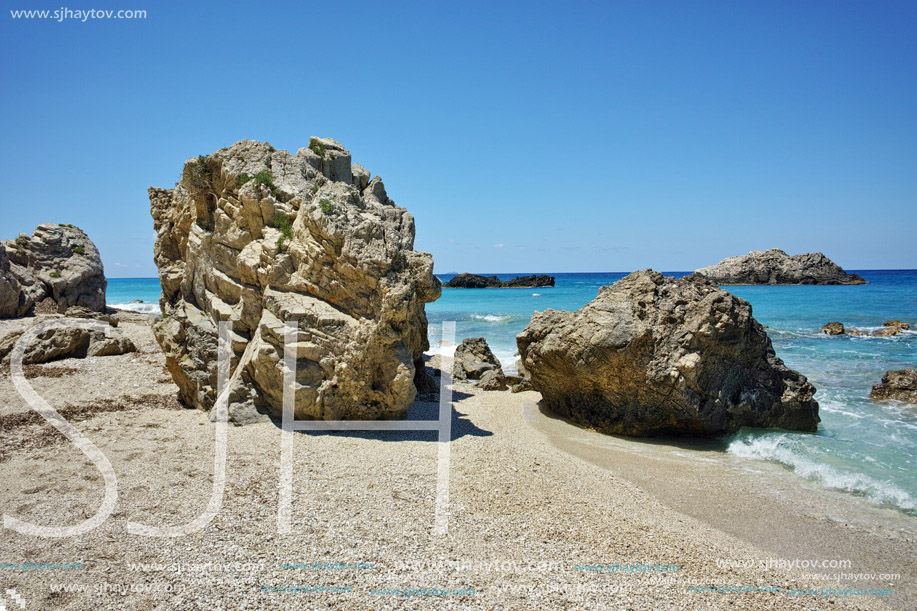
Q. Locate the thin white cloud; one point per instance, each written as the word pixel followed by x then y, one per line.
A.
pixel 498 245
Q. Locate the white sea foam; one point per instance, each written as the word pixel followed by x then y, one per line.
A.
pixel 537 295
pixel 492 317
pixel 143 308
pixel 779 448
pixel 507 360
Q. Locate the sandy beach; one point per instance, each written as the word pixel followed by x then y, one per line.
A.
pixel 542 513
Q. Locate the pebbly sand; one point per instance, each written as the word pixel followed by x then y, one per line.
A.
pixel 534 502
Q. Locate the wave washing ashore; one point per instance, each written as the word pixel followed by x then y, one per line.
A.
pixel 865 447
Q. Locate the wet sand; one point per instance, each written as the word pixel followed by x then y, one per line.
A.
pixel 765 505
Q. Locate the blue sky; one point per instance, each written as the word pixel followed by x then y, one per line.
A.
pixel 523 136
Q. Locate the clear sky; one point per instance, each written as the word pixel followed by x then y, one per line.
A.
pixel 523 136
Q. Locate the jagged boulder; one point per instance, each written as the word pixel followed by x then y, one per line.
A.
pixel 61 342
pixel 13 301
pixel 260 237
pixel 900 385
pixel 653 355
pixel 776 267
pixel 833 328
pixel 58 262
pixel 475 362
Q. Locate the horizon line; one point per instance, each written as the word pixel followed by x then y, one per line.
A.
pixel 851 270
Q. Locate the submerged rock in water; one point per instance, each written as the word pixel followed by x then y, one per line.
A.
pixel 833 328
pixel 900 385
pixel 888 329
pixel 58 265
pixel 260 237
pixel 474 281
pixel 653 355
pixel 776 267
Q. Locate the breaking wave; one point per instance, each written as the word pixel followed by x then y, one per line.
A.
pixel 789 452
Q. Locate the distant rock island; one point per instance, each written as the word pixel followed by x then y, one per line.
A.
pixel 776 267
pixel 474 281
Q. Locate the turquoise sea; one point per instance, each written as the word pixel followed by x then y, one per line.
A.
pixel 862 446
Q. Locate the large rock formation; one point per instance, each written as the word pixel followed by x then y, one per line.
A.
pixel 260 237
pixel 900 385
pixel 474 281
pixel 475 362
pixel 653 355
pixel 776 267
pixel 59 262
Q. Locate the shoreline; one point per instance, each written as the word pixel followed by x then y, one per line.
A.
pixel 754 501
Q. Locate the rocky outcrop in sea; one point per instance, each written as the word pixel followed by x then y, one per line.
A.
pixel 57 265
pixel 260 237
pixel 888 329
pixel 900 385
pixel 776 267
pixel 653 355
pixel 474 281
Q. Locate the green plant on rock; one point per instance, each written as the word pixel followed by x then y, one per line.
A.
pixel 199 173
pixel 264 177
pixel 318 148
pixel 326 205
pixel 79 249
pixel 284 224
pixel 244 178
pixel 55 274
pixel 22 240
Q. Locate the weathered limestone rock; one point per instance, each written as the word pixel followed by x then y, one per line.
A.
pixel 776 267
pixel 888 329
pixel 474 361
pixel 474 281
pixel 653 355
pixel 833 328
pixel 13 301
pixel 259 238
pixel 66 342
pixel 897 324
pixel 900 385
pixel 59 262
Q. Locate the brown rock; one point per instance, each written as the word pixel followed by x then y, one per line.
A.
pixel 653 355
pixel 260 237
pixel 900 385
pixel 833 328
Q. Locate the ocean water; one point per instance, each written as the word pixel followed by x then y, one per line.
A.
pixel 864 447
pixel 122 293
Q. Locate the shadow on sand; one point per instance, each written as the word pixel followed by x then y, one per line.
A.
pixel 420 410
